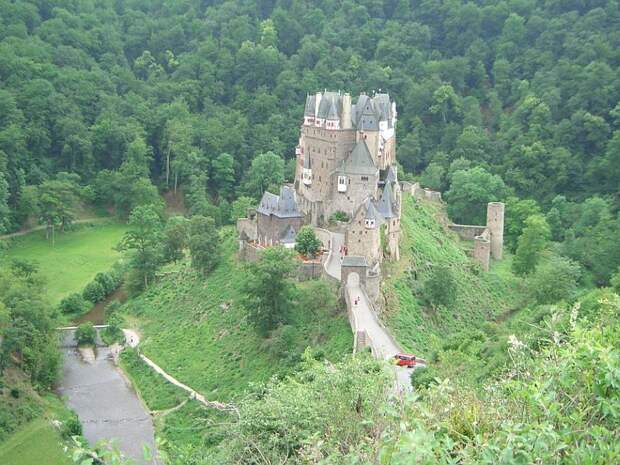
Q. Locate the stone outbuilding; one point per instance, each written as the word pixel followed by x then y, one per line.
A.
pixel 278 218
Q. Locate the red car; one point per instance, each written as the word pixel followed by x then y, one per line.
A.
pixel 405 360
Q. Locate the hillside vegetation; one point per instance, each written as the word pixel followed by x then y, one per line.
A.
pixel 427 245
pixel 196 329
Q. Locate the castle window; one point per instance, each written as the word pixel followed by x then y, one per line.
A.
pixel 364 178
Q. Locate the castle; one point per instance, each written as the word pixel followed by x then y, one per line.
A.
pixel 345 167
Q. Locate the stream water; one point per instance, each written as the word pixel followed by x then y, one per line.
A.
pixel 106 404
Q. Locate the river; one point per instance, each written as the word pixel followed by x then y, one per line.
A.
pixel 106 404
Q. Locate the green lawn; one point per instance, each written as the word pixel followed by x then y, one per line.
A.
pixel 75 258
pixel 37 443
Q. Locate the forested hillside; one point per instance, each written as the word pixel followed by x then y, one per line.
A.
pixel 123 108
pixel 527 89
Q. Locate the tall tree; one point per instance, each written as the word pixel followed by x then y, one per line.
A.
pixel 203 243
pixel 144 242
pixel 268 288
pixel 531 244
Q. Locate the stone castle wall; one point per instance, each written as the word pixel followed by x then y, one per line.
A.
pixel 467 232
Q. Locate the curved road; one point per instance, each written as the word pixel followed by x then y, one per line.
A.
pixel 365 319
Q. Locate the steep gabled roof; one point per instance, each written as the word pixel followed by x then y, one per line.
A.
pixel 282 206
pixel 359 161
pixel 391 175
pixel 310 103
pixel 288 236
pixel 372 213
pixel 386 202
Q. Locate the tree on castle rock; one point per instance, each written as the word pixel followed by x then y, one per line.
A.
pixel 268 288
pixel 306 242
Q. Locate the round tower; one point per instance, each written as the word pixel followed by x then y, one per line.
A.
pixel 495 225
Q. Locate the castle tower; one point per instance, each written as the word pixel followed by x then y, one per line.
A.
pixel 495 225
pixel 346 111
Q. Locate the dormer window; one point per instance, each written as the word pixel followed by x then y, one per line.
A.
pixel 370 223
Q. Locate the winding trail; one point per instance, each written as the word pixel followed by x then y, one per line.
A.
pixel 132 339
pixel 43 226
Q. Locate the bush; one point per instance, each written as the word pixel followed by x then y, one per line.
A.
pixel 615 281
pixel 339 216
pixel 85 334
pixel 71 426
pixel 74 303
pixel 94 292
pixel 113 333
pixel 108 281
pixel 423 377
pixel 440 288
pixel 306 242
pixel 553 280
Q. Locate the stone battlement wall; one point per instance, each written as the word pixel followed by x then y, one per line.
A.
pixel 467 232
pixel 246 228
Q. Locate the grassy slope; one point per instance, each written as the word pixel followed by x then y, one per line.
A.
pixel 75 259
pixel 35 444
pixel 481 296
pixel 194 327
pixel 27 436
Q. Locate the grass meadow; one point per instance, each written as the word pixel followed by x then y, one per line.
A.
pixel 74 259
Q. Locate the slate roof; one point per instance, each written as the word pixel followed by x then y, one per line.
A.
pixel 386 202
pixel 366 113
pixel 329 108
pixel 310 104
pixel 391 175
pixel 288 236
pixel 282 206
pixel 359 161
pixel 372 213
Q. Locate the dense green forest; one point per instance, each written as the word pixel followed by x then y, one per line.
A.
pixel 133 97
pixel 130 107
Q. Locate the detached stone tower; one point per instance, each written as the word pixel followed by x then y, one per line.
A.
pixel 495 226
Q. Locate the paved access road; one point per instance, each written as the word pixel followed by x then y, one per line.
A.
pixel 366 320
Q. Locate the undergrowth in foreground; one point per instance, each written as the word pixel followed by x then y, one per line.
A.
pixel 196 329
pixel 426 243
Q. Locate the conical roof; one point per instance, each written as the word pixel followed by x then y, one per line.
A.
pixel 386 202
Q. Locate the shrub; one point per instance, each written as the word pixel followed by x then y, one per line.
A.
pixel 339 216
pixel 553 280
pixel 306 242
pixel 113 333
pixel 74 303
pixel 615 281
pixel 85 334
pixel 94 292
pixel 423 377
pixel 71 426
pixel 440 288
pixel 108 281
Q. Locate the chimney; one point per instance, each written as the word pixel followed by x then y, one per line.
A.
pixel 317 102
pixel 346 111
